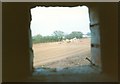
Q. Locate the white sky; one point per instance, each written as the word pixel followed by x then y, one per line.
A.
pixel 45 20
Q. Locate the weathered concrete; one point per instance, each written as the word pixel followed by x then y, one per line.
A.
pixel 95 36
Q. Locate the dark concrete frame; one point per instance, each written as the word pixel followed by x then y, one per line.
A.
pixel 17 48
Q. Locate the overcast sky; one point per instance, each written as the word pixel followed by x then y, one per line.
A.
pixel 45 20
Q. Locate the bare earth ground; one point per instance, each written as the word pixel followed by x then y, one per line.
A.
pixel 62 54
pixel 61 61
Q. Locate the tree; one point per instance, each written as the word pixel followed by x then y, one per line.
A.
pixel 74 34
pixel 36 38
pixel 59 34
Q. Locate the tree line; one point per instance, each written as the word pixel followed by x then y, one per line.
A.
pixel 57 36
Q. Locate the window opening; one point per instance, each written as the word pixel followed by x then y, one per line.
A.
pixel 61 39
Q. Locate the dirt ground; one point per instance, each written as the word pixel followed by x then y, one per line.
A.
pixel 62 54
pixel 62 61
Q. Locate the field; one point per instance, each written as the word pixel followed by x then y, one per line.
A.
pixel 62 54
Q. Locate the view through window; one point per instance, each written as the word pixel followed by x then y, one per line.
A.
pixel 61 38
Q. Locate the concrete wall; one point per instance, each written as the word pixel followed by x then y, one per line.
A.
pixel 16 57
pixel 0 41
pixel 95 35
pixel 16 60
pixel 109 37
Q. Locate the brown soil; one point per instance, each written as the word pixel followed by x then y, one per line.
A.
pixel 62 54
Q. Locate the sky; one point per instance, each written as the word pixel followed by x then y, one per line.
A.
pixel 46 20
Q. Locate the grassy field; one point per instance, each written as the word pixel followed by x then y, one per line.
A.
pixel 62 54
